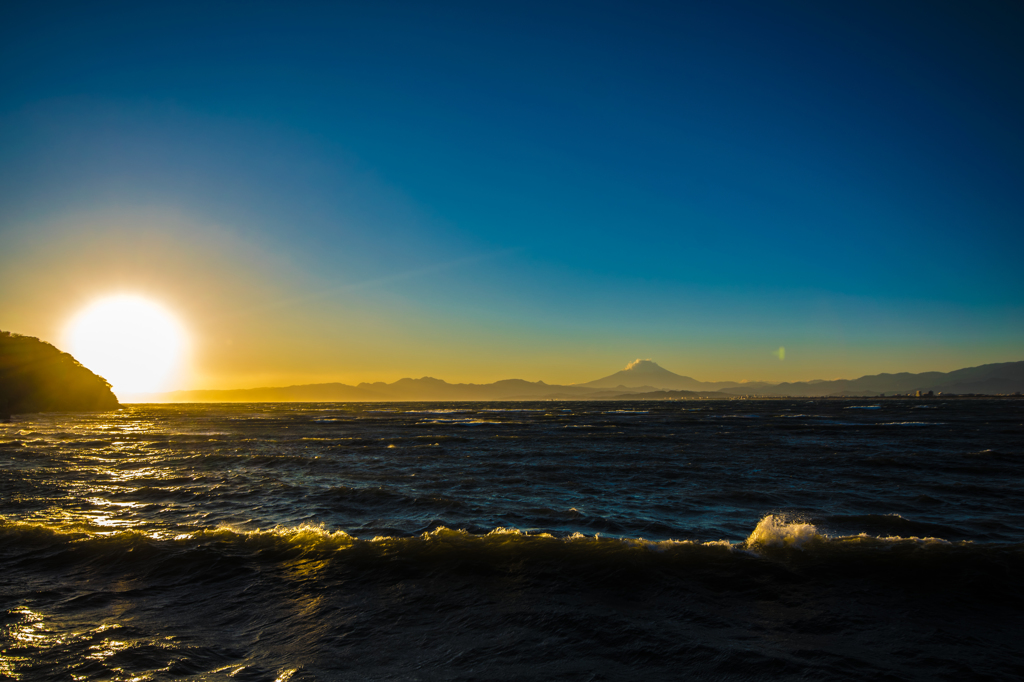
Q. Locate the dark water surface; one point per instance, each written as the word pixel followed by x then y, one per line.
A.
pixel 793 539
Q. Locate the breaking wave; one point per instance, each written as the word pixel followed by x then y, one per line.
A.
pixel 774 538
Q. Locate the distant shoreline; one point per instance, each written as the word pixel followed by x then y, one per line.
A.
pixel 641 380
pixel 638 398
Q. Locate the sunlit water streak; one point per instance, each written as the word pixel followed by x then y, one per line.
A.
pixel 804 539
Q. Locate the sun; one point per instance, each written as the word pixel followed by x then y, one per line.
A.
pixel 130 341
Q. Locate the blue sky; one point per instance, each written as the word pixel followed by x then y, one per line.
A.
pixel 544 190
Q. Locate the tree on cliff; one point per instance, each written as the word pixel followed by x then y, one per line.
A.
pixel 36 377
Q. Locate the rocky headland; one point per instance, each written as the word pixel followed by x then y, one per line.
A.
pixel 37 377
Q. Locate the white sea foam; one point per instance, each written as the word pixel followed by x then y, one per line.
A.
pixel 776 531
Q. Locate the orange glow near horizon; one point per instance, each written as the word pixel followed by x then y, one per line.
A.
pixel 132 342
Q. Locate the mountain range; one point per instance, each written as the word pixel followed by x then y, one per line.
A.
pixel 994 379
pixel 641 379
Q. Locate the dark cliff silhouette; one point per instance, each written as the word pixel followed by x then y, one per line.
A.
pixel 37 377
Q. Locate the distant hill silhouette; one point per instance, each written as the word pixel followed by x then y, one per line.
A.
pixel 37 377
pixel 646 373
pixel 994 379
pixel 652 376
pixel 425 388
pixel 642 379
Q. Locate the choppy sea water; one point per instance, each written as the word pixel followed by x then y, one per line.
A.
pixel 793 539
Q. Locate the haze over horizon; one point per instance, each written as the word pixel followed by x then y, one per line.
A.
pixel 365 192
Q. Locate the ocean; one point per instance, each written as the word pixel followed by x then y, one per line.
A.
pixel 718 540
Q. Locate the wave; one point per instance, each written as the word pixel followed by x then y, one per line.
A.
pixel 382 499
pixel 464 420
pixel 773 533
pixel 778 551
pixel 911 424
pixel 894 525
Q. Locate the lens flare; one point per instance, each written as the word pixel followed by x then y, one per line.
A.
pixel 130 341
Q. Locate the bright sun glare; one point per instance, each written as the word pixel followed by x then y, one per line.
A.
pixel 132 342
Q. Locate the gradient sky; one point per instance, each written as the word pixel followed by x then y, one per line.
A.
pixel 485 190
